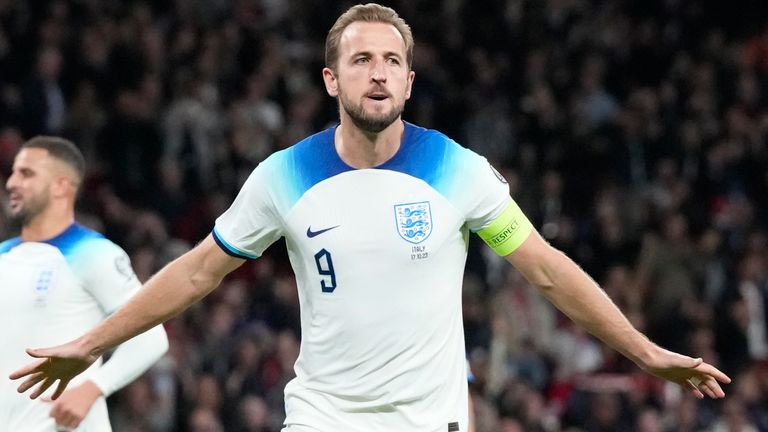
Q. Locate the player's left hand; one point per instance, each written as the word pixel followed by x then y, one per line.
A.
pixel 694 374
pixel 73 405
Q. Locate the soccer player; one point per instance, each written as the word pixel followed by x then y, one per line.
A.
pixel 375 213
pixel 59 280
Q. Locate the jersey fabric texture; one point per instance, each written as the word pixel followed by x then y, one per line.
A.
pixel 55 291
pixel 379 260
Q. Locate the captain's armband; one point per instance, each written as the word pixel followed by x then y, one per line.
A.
pixel 508 231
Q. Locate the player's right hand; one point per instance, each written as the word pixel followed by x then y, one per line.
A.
pixel 61 363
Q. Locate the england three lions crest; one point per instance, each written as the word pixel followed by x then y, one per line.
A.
pixel 414 221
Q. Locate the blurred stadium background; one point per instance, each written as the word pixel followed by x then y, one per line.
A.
pixel 633 133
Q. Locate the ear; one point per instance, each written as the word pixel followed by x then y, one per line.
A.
pixel 411 76
pixel 62 186
pixel 331 83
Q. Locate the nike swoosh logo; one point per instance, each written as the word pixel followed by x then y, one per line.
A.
pixel 311 233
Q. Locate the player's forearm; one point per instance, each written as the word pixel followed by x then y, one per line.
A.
pixel 173 289
pixel 573 292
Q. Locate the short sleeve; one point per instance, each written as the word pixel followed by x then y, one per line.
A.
pixel 486 189
pixel 489 210
pixel 108 274
pixel 251 223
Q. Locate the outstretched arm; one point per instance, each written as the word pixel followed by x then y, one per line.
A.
pixel 572 291
pixel 174 288
pixel 130 359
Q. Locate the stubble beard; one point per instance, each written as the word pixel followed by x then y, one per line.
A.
pixel 28 211
pixel 368 122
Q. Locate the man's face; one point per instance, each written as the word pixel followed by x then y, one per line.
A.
pixel 372 79
pixel 29 186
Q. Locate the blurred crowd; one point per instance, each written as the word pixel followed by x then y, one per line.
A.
pixel 633 133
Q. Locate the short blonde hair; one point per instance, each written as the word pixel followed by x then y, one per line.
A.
pixel 370 12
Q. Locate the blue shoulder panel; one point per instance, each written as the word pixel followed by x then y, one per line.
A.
pixel 307 163
pixel 67 242
pixel 72 238
pixel 9 244
pixel 427 155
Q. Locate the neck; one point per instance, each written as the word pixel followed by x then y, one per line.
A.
pixel 360 149
pixel 47 225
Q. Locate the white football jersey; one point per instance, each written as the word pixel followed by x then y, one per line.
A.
pixel 53 292
pixel 379 259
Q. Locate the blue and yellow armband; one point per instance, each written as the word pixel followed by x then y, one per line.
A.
pixel 508 231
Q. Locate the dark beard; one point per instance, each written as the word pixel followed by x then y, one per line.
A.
pixel 368 123
pixel 19 220
pixel 24 216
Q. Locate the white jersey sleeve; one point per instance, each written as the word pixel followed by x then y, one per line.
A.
pixel 107 273
pixel 131 359
pixel 109 277
pixel 481 195
pixel 251 223
pixel 480 191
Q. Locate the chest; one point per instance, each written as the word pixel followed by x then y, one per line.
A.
pixel 381 214
pixel 37 277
